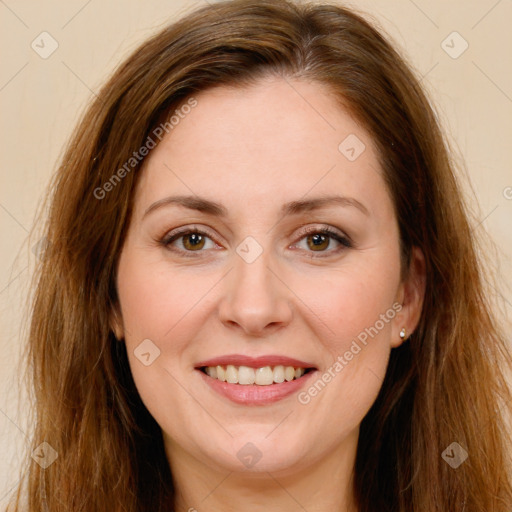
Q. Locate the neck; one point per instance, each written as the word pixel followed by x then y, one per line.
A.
pixel 321 486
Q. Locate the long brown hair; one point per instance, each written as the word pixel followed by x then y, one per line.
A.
pixel 446 384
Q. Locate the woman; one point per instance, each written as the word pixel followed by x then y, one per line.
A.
pixel 261 289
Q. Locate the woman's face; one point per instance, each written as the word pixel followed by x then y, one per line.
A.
pixel 260 173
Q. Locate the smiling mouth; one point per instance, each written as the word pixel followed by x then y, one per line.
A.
pixel 263 376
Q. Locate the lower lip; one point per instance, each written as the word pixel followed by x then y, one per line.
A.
pixel 253 394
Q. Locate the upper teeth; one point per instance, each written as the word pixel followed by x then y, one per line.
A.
pixel 261 376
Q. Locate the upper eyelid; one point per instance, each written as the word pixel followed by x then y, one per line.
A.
pixel 305 229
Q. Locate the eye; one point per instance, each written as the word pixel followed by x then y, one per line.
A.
pixel 188 240
pixel 319 240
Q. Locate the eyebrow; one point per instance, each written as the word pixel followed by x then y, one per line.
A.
pixel 292 208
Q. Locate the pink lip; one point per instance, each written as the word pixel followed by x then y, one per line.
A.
pixel 254 362
pixel 254 394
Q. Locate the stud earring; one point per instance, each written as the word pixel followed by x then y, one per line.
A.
pixel 403 335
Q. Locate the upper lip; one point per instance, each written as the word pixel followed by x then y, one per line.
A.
pixel 254 362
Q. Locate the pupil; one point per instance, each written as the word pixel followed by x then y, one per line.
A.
pixel 194 238
pixel 318 238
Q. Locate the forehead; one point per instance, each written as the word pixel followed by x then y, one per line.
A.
pixel 276 141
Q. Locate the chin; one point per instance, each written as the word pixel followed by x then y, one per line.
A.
pixel 252 452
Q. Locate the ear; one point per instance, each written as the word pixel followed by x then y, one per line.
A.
pixel 116 323
pixel 410 295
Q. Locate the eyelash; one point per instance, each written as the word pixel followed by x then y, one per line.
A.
pixel 344 241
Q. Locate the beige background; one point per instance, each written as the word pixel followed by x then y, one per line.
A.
pixel 41 100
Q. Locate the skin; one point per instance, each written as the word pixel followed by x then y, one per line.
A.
pixel 252 150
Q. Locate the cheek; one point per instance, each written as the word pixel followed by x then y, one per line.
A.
pixel 155 299
pixel 165 305
pixel 354 311
pixel 349 302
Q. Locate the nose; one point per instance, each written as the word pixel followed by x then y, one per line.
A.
pixel 255 299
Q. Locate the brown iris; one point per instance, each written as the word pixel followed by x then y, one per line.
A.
pixel 193 241
pixel 318 242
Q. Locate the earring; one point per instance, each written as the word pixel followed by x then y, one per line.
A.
pixel 403 336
